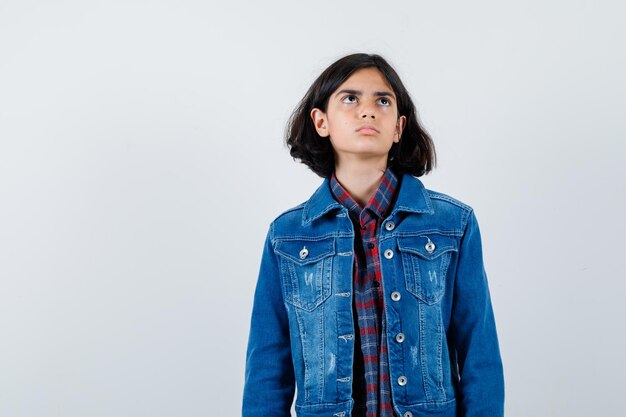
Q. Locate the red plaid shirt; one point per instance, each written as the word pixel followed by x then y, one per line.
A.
pixel 371 387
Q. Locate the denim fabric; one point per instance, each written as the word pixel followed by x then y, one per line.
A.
pixel 436 294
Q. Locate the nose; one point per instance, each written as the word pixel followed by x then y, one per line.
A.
pixel 368 110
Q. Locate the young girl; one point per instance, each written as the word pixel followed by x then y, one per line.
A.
pixel 372 296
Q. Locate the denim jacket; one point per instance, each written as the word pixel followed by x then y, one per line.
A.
pixel 444 357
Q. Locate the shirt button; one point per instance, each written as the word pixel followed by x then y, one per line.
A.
pixel 388 254
pixel 370 245
pixel 408 414
pixel 375 284
pixel 395 296
pixel 402 381
pixel 390 225
pixel 400 337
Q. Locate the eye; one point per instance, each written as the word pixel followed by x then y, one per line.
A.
pixel 349 97
pixel 385 101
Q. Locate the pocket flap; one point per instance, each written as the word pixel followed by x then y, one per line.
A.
pixel 306 251
pixel 418 245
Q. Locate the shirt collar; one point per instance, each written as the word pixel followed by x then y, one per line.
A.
pixel 377 205
pixel 412 197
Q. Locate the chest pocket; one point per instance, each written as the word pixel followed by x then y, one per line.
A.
pixel 306 268
pixel 425 259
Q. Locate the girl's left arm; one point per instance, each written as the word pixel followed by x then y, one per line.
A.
pixel 473 331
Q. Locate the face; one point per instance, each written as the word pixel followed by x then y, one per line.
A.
pixel 361 119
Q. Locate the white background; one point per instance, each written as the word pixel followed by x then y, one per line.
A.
pixel 141 161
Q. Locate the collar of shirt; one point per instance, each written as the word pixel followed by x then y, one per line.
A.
pixel 378 205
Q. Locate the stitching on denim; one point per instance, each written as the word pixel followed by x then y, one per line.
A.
pixel 338 362
pixel 330 280
pixel 465 220
pixel 289 210
pixel 412 210
pixel 431 403
pixel 441 251
pixel 452 233
pixel 424 367
pixel 309 238
pixel 324 404
pixel 305 213
pixel 426 194
pixel 344 253
pixel 439 357
pixel 321 352
pixel 440 196
pixel 302 333
pixel 323 253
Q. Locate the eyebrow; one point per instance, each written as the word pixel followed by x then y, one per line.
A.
pixel 358 93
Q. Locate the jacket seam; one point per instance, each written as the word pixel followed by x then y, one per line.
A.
pixel 440 196
pixel 465 221
pixel 289 210
pixel 428 403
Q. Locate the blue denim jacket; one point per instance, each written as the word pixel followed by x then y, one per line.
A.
pixel 444 358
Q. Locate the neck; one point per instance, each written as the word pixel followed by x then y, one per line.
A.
pixel 360 180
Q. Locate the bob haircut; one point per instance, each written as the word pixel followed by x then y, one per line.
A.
pixel 414 154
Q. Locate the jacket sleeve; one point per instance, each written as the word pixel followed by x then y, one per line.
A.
pixel 269 374
pixel 473 331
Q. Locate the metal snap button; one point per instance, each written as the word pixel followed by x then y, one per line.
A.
pixel 402 381
pixel 408 414
pixel 390 225
pixel 400 337
pixel 395 296
pixel 388 254
pixel 430 246
pixel 304 252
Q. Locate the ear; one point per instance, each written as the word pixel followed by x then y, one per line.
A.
pixel 400 124
pixel 320 121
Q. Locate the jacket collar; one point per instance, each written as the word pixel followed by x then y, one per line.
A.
pixel 412 197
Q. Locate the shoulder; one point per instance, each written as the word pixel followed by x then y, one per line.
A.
pixel 292 212
pixel 440 198
pixel 450 207
pixel 287 221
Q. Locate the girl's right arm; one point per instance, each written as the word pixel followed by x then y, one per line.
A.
pixel 269 375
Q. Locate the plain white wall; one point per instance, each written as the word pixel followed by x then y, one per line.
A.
pixel 141 161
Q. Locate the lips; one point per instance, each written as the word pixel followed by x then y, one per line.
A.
pixel 367 129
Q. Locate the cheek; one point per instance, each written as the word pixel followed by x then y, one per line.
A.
pixel 339 123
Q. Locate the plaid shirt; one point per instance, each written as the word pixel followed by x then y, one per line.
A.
pixel 371 387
